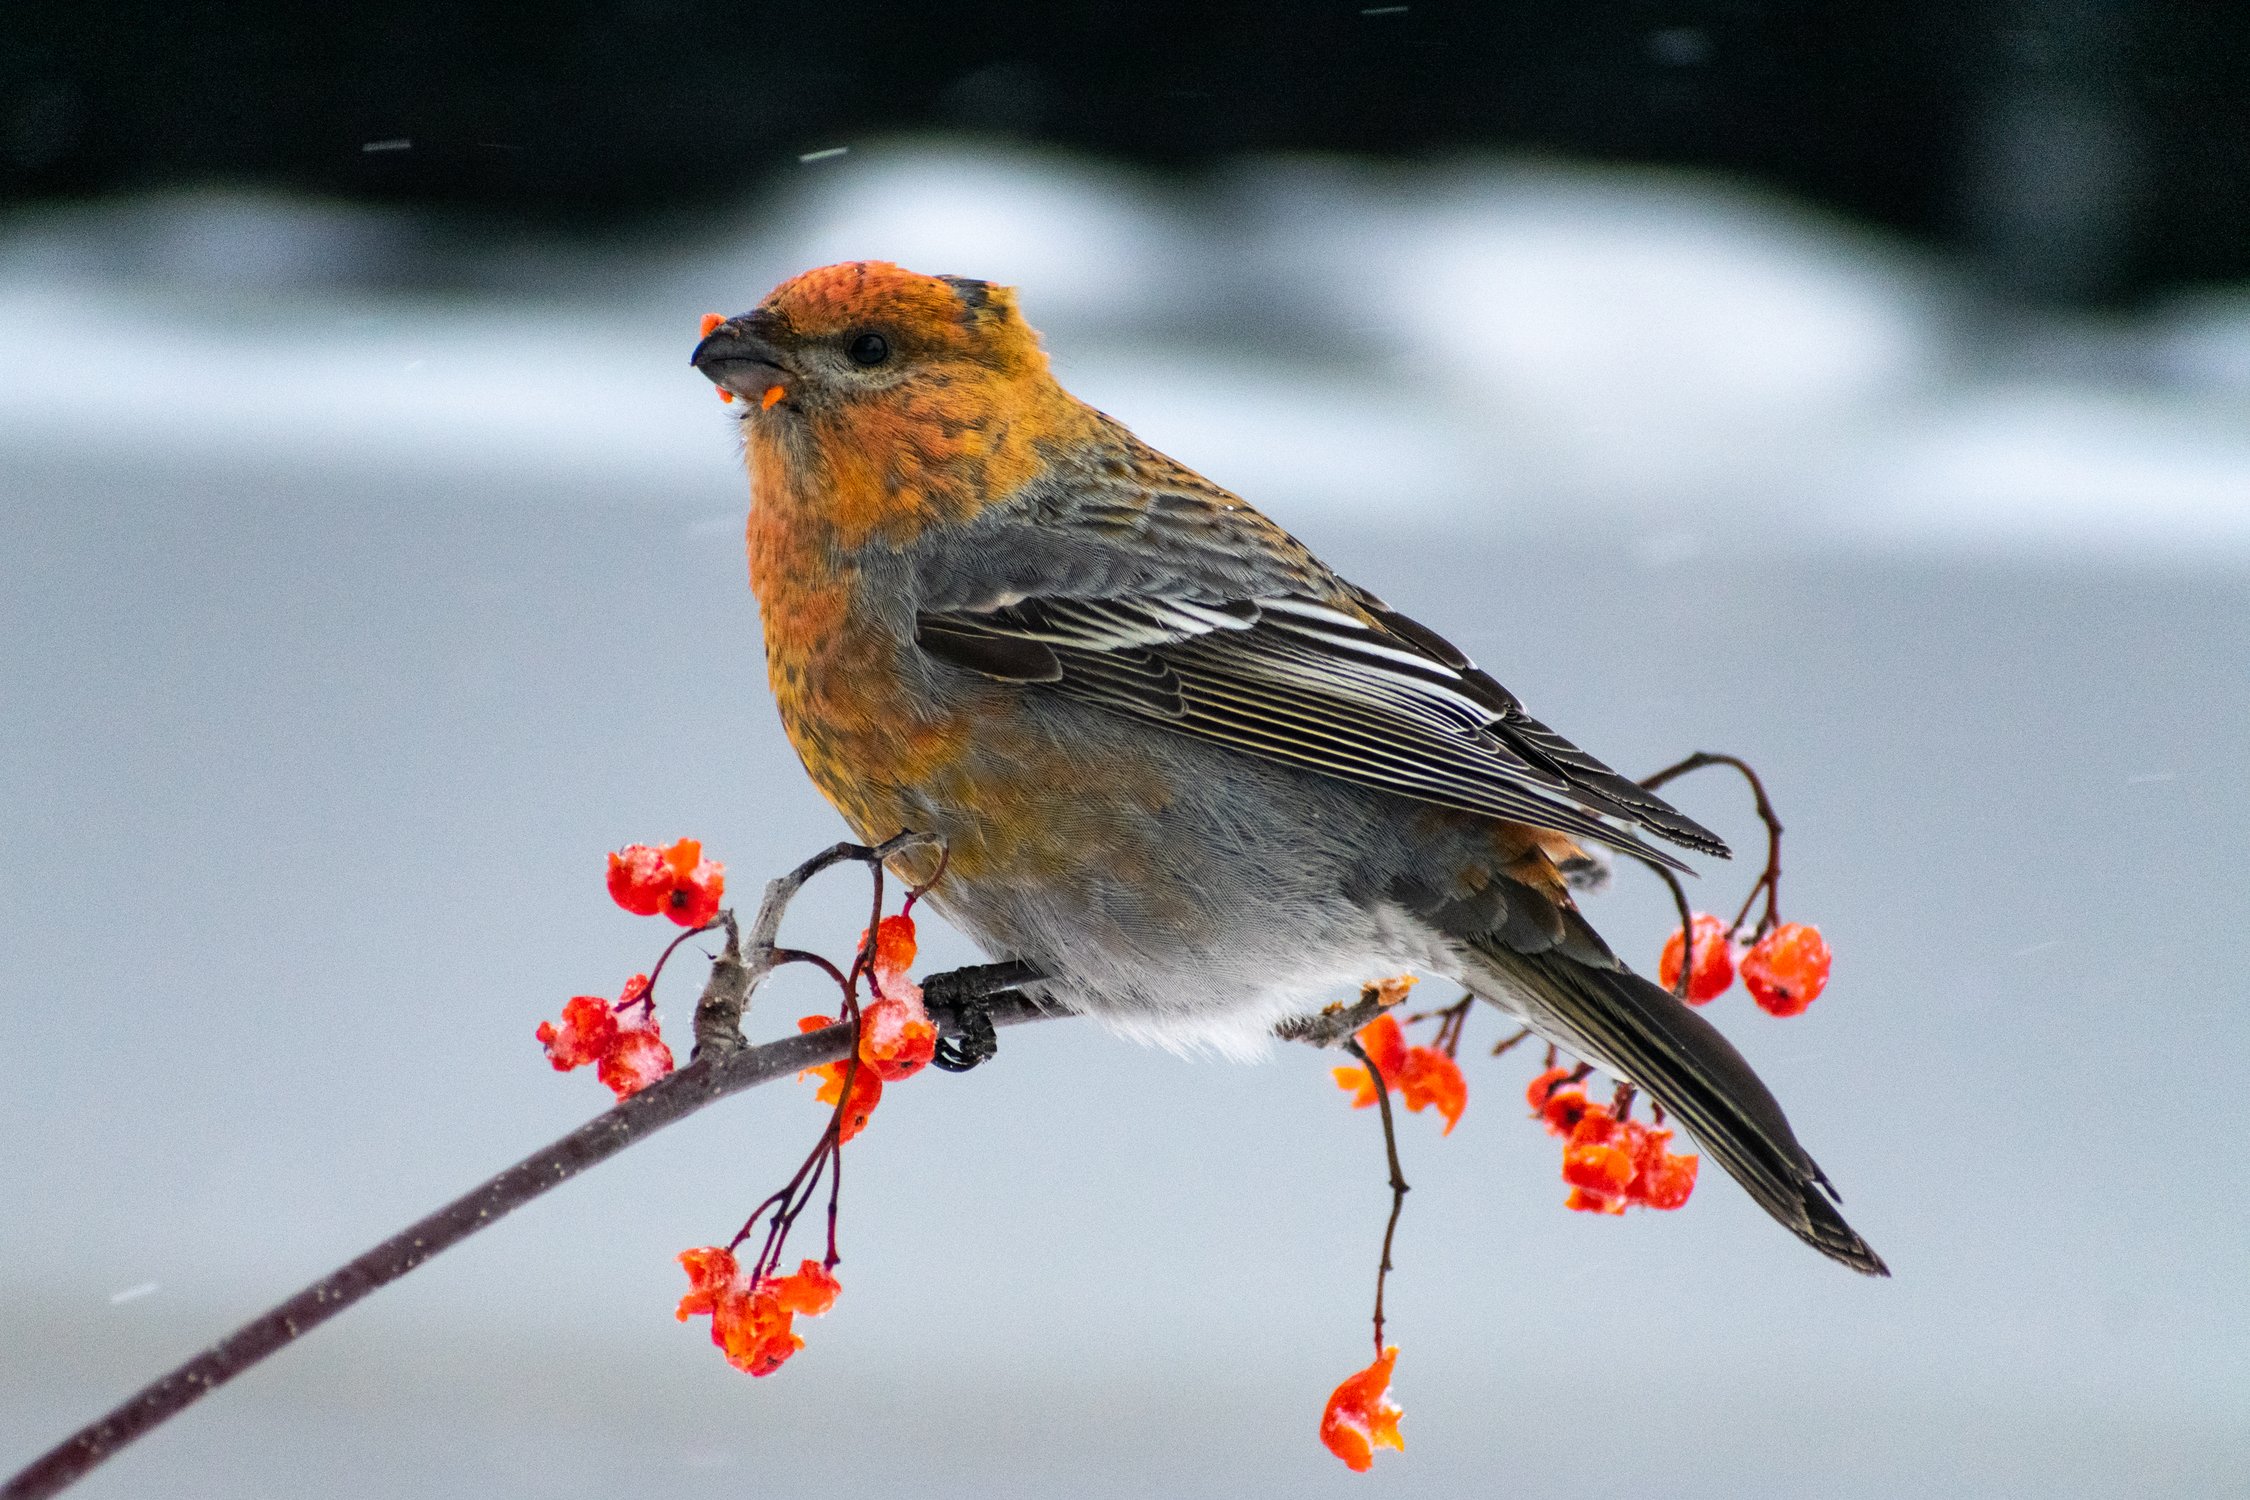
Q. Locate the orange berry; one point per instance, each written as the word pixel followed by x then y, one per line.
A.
pixel 1385 1046
pixel 639 879
pixel 1361 1417
pixel 896 1036
pixel 1429 1077
pixel 1561 1108
pixel 867 1092
pixel 810 1289
pixel 1597 1168
pixel 1786 970
pixel 1713 968
pixel 894 945
pixel 588 1030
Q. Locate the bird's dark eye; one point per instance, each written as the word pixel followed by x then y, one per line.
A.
pixel 869 349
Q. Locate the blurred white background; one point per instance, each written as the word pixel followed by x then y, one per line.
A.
pixel 349 621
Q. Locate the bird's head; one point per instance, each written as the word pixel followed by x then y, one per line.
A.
pixel 869 334
pixel 877 401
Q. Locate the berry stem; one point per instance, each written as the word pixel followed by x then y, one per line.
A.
pixel 1769 879
pixel 1681 980
pixel 715 1076
pixel 1398 1182
pixel 1452 1021
pixel 647 1001
pixel 1502 1047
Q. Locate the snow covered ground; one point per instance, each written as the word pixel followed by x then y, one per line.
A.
pixel 362 587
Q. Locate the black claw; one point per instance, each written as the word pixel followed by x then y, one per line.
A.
pixel 976 1042
pixel 967 993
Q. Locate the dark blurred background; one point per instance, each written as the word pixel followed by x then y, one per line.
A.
pixel 2078 150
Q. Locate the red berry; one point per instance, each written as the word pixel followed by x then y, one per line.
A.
pixel 640 880
pixel 1597 1169
pixel 1713 969
pixel 1786 970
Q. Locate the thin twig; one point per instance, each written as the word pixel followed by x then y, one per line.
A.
pixel 1769 880
pixel 647 1002
pixel 1502 1047
pixel 1452 1021
pixel 723 1065
pixel 1687 931
pixel 1398 1182
pixel 1334 1026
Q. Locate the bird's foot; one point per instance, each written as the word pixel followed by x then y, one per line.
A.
pixel 961 1001
pixel 1337 1023
pixel 976 1042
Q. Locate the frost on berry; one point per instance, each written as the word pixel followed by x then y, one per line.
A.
pixel 1661 1179
pixel 897 1038
pixel 588 1029
pixel 1361 1417
pixel 1786 970
pixel 639 879
pixel 676 881
pixel 620 1040
pixel 637 1058
pixel 1713 967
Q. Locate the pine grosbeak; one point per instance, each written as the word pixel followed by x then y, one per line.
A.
pixel 1180 767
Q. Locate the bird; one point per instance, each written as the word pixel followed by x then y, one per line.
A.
pixel 1179 767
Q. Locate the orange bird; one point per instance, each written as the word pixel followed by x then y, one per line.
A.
pixel 1182 769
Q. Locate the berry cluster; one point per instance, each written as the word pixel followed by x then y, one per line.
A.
pixel 1611 1161
pixel 753 1317
pixel 1784 970
pixel 753 1307
pixel 621 1040
pixel 1423 1077
pixel 897 1038
pixel 677 881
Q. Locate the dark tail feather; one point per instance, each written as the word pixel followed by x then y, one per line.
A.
pixel 1620 1022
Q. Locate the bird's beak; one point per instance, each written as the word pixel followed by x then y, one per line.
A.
pixel 737 357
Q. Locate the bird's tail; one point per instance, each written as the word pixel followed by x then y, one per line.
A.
pixel 1613 1018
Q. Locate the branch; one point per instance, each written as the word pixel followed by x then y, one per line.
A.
pixel 1769 880
pixel 1336 1025
pixel 724 1065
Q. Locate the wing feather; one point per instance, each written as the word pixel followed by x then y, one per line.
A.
pixel 1379 701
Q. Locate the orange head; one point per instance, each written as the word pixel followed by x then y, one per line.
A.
pixel 867 331
pixel 877 400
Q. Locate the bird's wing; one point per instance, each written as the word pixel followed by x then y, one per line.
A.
pixel 1347 688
